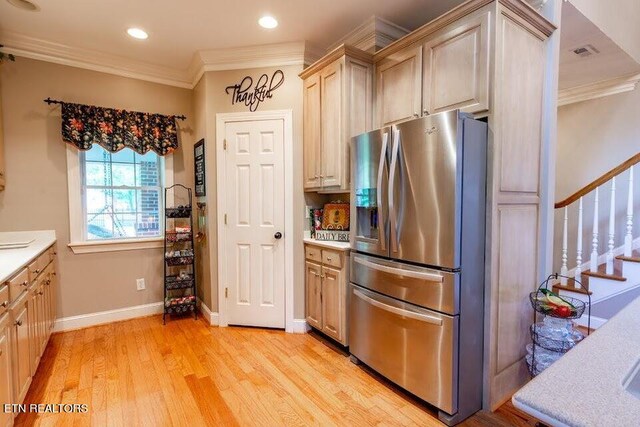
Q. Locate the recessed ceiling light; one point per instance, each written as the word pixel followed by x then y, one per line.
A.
pixel 24 5
pixel 137 33
pixel 268 21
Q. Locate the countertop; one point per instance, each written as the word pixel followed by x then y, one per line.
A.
pixel 585 387
pixel 12 260
pixel 341 246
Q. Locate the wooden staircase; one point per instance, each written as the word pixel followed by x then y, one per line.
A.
pixel 615 271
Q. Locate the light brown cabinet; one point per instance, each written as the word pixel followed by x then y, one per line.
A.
pixel 326 291
pixel 27 315
pixel 399 86
pixel 337 106
pixel 6 383
pixel 456 67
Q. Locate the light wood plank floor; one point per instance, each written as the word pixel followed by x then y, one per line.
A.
pixel 138 372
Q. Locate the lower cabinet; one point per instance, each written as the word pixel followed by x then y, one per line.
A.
pixel 6 383
pixel 326 278
pixel 20 337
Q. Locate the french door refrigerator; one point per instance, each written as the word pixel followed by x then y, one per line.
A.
pixel 416 295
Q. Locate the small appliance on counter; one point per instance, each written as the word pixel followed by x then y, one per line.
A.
pixel 416 296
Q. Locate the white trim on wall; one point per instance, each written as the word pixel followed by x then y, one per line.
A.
pixel 221 120
pixel 598 90
pixel 92 319
pixel 210 316
pixel 76 221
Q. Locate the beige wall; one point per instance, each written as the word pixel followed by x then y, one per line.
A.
pixel 593 137
pixel 36 194
pixel 287 96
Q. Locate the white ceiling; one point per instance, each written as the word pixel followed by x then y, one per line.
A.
pixel 610 63
pixel 177 29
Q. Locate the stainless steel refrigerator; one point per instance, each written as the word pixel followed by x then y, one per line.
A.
pixel 416 296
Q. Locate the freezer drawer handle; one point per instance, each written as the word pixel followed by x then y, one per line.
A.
pixel 431 277
pixel 398 311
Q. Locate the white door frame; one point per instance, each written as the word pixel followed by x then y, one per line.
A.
pixel 221 120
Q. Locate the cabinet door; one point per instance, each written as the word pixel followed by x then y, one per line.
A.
pixel 34 329
pixel 456 68
pixel 333 298
pixel 6 382
pixel 313 296
pixel 312 132
pixel 22 356
pixel 41 319
pixel 399 86
pixel 333 139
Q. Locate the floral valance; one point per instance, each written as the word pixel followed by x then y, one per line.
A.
pixel 85 125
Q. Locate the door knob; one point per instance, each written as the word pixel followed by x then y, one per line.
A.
pixel 278 235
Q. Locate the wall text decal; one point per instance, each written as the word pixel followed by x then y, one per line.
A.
pixel 245 92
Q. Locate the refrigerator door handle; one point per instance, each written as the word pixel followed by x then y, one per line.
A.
pixel 398 311
pixel 399 271
pixel 392 178
pixel 381 220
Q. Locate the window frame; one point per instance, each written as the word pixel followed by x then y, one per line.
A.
pixel 77 221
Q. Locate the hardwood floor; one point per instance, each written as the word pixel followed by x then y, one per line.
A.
pixel 138 372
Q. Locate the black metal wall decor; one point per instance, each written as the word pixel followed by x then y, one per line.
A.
pixel 245 92
pixel 198 168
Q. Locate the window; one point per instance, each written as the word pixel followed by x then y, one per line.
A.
pixel 121 194
pixel 116 199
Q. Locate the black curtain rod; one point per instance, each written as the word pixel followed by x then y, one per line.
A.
pixel 55 101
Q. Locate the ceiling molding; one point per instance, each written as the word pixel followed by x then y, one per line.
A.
pixel 239 58
pixel 43 50
pixel 598 90
pixel 372 35
pixel 335 54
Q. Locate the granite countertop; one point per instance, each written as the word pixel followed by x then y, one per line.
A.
pixel 585 387
pixel 341 246
pixel 12 260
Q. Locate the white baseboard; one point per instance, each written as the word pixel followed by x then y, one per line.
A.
pixel 300 326
pixel 102 317
pixel 212 317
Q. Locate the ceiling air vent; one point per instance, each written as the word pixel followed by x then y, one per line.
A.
pixel 586 50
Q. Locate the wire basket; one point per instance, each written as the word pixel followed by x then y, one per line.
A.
pixel 541 304
pixel 553 344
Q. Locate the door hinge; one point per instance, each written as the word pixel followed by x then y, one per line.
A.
pixel 226 292
pixel 224 144
pixel 225 219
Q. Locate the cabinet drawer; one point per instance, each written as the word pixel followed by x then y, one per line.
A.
pixel 38 265
pixel 313 253
pixel 18 284
pixel 332 258
pixel 4 298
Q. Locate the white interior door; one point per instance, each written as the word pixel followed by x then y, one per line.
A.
pixel 254 230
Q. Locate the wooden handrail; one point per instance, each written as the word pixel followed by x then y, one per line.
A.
pixel 599 181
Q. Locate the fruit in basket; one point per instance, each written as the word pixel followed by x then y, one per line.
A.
pixel 563 311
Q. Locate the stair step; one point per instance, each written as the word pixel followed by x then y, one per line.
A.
pixel 615 276
pixel 635 257
pixel 571 288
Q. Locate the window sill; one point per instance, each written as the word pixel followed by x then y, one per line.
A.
pixel 116 245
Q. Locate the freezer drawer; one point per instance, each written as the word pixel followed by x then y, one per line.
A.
pixel 426 287
pixel 411 346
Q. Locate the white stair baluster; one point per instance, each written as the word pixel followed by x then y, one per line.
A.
pixel 594 241
pixel 628 238
pixel 578 271
pixel 564 270
pixel 612 226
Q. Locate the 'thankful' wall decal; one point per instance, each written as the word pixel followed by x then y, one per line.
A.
pixel 251 95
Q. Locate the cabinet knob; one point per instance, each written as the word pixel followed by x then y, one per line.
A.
pixel 425 112
pixel 321 176
pixel 41 293
pixel 18 323
pixel 4 304
pixel 316 176
pixel 415 114
pixel 37 271
pixel 328 259
pixel 25 283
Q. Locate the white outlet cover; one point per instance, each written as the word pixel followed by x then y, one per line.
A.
pixel 140 284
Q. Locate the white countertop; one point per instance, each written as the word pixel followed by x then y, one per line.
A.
pixel 12 260
pixel 341 246
pixel 585 387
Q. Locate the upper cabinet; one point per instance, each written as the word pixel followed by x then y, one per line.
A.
pixel 337 106
pixel 456 67
pixel 399 86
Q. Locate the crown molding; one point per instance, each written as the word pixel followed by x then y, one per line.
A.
pixel 372 35
pixel 43 50
pixel 238 58
pixel 599 89
pixel 338 52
